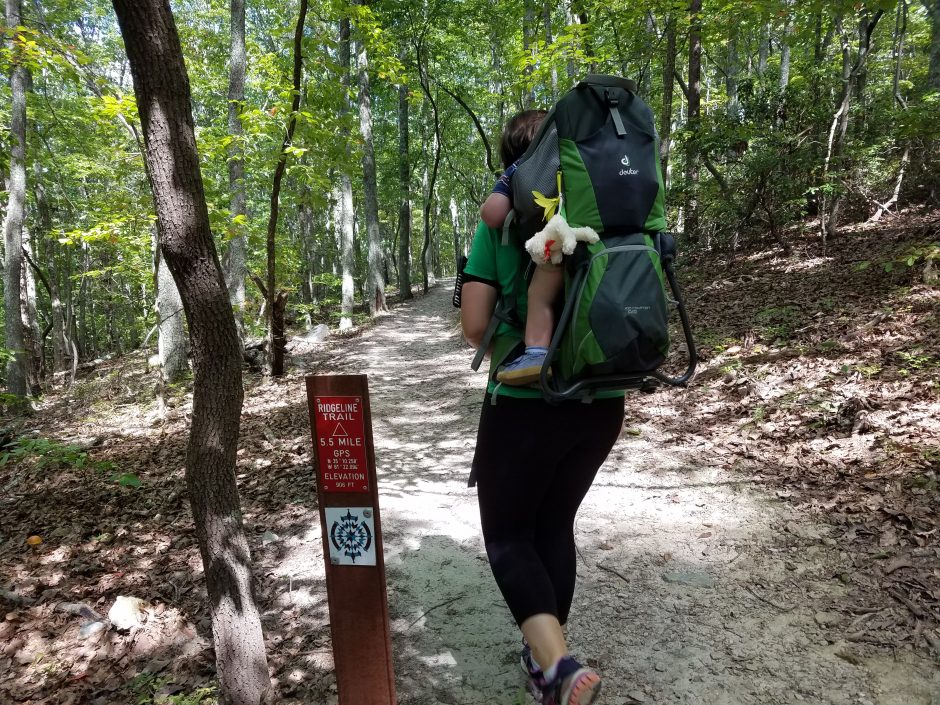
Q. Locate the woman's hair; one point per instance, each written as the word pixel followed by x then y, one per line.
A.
pixel 518 134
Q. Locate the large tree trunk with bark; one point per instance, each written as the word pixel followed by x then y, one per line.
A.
pixel 375 288
pixel 404 210
pixel 16 210
pixel 163 100
pixel 236 267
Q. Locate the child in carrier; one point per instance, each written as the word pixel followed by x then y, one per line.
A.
pixel 547 280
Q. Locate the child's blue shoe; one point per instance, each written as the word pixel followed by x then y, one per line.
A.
pixel 525 369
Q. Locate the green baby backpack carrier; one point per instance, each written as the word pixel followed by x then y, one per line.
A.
pixel 595 160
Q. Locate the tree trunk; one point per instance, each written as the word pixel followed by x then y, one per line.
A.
pixel 669 70
pixel 763 51
pixel 343 218
pixel 900 31
pixel 432 177
pixel 455 225
pixel 32 336
pixel 163 100
pixel 277 340
pixel 547 27
pixel 933 71
pixel 578 7
pixel 733 106
pixel 695 103
pixel 570 66
pixel 236 256
pixel 171 333
pixel 784 69
pixel 85 339
pixel 840 120
pixel 47 253
pixel 529 32
pixel 404 210
pixel 370 201
pixel 16 207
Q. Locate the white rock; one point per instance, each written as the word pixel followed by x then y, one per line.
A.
pixel 317 334
pixel 127 612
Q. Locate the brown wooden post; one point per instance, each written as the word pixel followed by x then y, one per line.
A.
pixel 341 423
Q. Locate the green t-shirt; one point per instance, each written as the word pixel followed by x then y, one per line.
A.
pixel 505 265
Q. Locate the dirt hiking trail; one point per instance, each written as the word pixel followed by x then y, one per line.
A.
pixel 694 585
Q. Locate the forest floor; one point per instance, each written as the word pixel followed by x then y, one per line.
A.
pixel 768 535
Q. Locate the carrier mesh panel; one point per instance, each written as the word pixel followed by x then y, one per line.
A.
pixel 537 172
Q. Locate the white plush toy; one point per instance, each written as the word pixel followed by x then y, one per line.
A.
pixel 557 239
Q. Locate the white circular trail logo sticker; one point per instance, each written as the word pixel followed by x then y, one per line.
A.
pixel 351 535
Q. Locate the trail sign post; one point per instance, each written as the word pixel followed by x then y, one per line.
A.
pixel 341 424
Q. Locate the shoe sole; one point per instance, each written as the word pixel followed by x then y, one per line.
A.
pixel 585 688
pixel 525 375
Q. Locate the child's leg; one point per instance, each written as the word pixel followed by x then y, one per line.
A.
pixel 546 285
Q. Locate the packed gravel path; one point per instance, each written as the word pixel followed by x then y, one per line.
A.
pixel 695 586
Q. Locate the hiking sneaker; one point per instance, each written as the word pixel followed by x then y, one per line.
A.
pixel 573 684
pixel 525 369
pixel 528 664
pixel 535 679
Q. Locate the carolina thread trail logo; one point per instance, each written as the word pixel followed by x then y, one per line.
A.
pixel 628 171
pixel 351 536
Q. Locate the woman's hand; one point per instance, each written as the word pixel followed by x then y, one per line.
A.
pixel 477 303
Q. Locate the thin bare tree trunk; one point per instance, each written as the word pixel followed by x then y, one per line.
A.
pixel 669 71
pixel 886 207
pixel 163 100
pixel 277 300
pixel 171 333
pixel 343 214
pixel 432 176
pixel 32 336
pixel 900 31
pixel 547 27
pixel 235 260
pixel 695 103
pixel 370 201
pixel 732 106
pixel 404 182
pixel 840 120
pixel 529 32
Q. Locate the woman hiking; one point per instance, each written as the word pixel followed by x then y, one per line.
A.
pixel 533 465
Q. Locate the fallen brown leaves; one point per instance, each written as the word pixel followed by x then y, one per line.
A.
pixel 821 378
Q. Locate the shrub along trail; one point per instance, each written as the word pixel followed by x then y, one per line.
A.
pixel 768 535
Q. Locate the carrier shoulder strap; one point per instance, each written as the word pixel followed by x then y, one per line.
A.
pixel 503 313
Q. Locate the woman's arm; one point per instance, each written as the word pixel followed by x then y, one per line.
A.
pixel 477 303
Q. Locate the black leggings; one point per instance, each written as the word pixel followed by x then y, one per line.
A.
pixel 534 463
